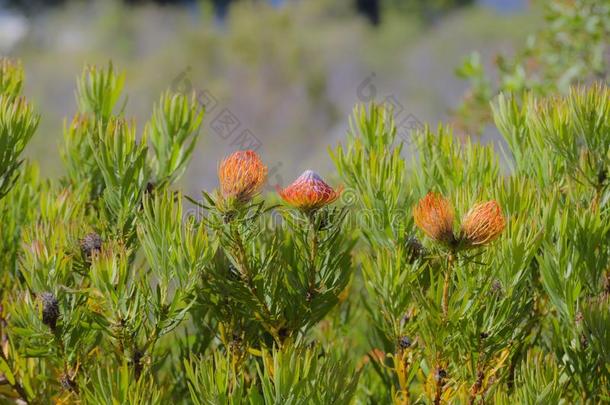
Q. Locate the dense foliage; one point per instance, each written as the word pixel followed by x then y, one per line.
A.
pixel 571 47
pixel 112 293
pixel 456 275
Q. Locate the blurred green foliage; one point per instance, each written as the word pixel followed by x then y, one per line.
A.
pixel 116 288
pixel 291 85
pixel 571 48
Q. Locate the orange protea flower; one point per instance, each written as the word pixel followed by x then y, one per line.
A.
pixel 434 215
pixel 482 224
pixel 309 192
pixel 241 175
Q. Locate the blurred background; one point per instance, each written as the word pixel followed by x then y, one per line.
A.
pixel 279 75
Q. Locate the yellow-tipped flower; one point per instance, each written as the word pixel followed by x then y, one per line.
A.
pixel 434 215
pixel 241 175
pixel 309 192
pixel 482 224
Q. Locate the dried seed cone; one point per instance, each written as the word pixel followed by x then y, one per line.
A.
pixel 483 224
pixel 434 215
pixel 415 250
pixel 241 175
pixel 404 342
pixel 91 244
pixel 309 192
pixel 50 309
pixel 68 383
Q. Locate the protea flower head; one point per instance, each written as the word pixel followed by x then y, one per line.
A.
pixel 309 192
pixel 241 175
pixel 482 224
pixel 434 215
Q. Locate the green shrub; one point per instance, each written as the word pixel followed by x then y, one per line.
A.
pixel 442 278
pixel 570 48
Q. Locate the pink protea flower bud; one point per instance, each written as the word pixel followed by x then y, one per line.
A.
pixel 482 224
pixel 241 175
pixel 434 215
pixel 309 192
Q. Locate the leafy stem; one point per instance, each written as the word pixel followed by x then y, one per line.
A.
pixel 448 273
pixel 439 377
pixel 16 385
pixel 313 252
pixel 402 370
pixel 243 267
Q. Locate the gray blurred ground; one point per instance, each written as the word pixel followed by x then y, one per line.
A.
pixel 290 75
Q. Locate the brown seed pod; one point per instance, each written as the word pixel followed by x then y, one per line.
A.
pixel 404 342
pixel 91 244
pixel 50 309
pixel 68 383
pixel 415 250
